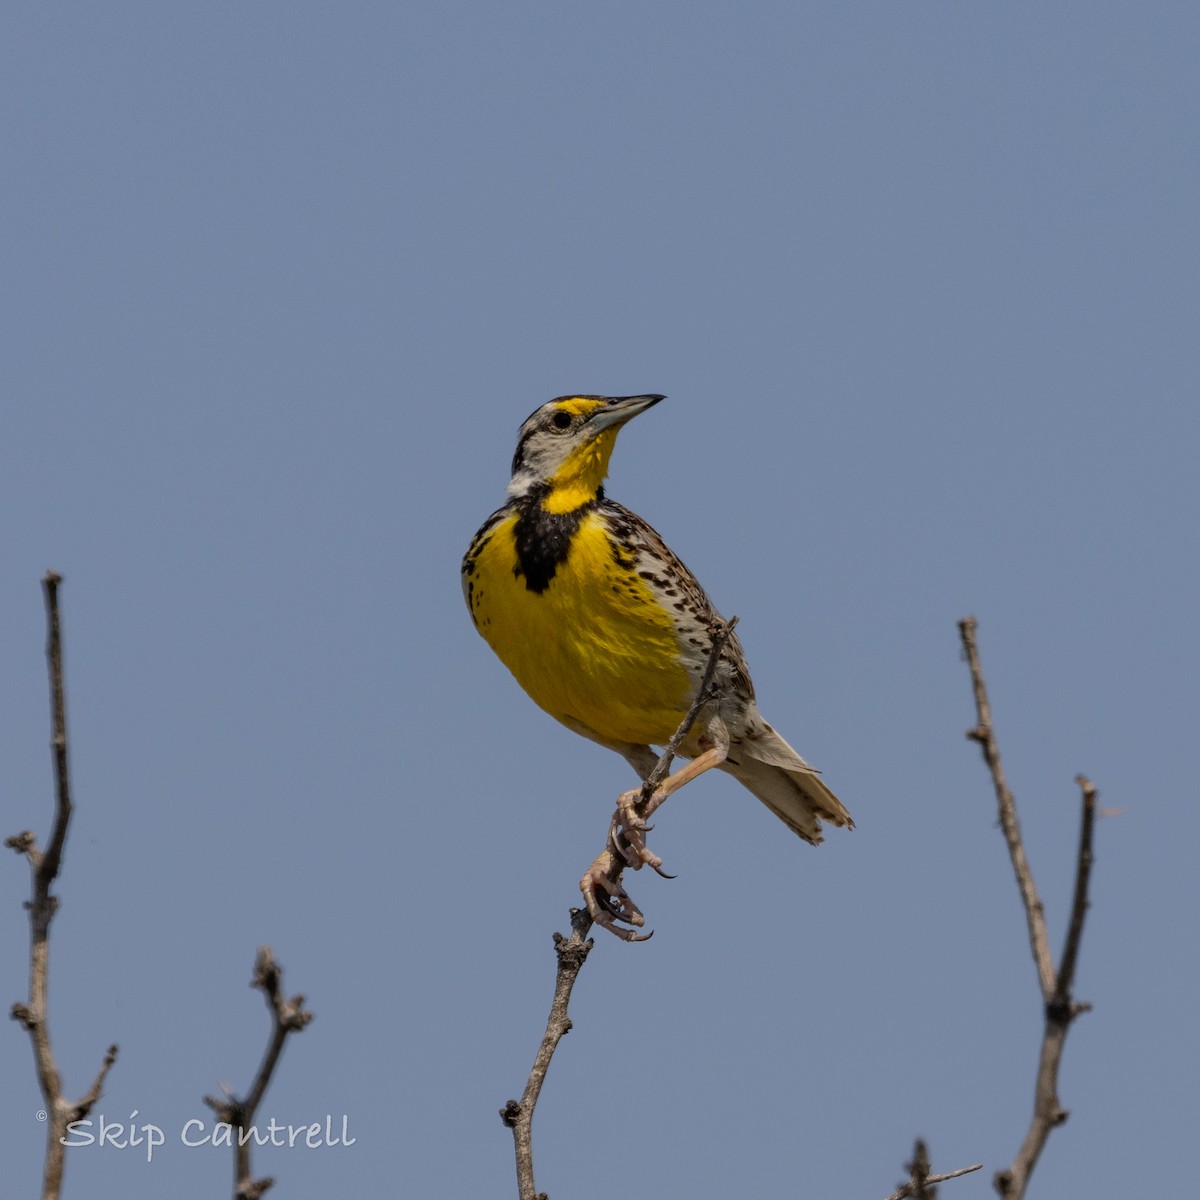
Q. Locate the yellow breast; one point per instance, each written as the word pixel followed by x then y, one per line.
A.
pixel 594 646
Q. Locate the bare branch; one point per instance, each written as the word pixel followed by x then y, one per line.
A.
pixel 42 906
pixel 1079 904
pixel 983 733
pixel 48 868
pixel 84 1104
pixel 572 951
pixel 920 1184
pixel 1059 1008
pixel 287 1016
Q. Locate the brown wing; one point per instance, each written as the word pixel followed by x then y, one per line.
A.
pixel 696 618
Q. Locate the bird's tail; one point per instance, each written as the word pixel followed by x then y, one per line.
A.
pixel 785 783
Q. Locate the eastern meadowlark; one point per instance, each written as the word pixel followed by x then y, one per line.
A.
pixel 610 633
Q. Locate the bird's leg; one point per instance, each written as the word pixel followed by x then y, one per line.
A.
pixel 607 900
pixel 629 828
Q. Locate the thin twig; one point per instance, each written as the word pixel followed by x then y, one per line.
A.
pixel 572 951
pixel 704 693
pixel 287 1016
pixel 610 864
pixel 984 734
pixel 1059 1007
pixel 44 869
pixel 920 1183
pixel 1079 903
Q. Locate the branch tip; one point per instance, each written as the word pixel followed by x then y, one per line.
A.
pixel 287 1017
pixel 84 1105
pixel 920 1183
pixel 1055 983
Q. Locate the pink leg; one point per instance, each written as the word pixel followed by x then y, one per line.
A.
pixel 629 824
pixel 607 900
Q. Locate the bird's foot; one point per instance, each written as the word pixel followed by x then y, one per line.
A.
pixel 627 833
pixel 608 902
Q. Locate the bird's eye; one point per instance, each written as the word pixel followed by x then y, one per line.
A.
pixel 561 420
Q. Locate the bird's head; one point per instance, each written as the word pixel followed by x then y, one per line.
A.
pixel 564 447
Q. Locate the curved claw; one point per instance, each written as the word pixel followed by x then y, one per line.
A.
pixel 608 902
pixel 626 935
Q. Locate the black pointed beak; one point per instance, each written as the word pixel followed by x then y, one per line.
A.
pixel 620 409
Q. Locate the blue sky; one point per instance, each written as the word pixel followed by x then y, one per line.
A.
pixel 281 281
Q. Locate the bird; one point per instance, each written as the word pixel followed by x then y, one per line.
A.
pixel 607 631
